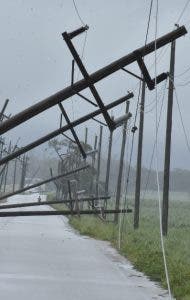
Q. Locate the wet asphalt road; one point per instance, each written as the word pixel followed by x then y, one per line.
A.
pixel 42 258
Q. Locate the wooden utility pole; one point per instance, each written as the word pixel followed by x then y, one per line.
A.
pixel 86 136
pixel 58 190
pixel 61 130
pixel 98 163
pixel 165 204
pixel 139 159
pixel 29 187
pixel 23 172
pixel 108 162
pixel 93 164
pixel 2 176
pixel 80 85
pixel 70 195
pixel 6 169
pixel 95 147
pixel 119 179
pixel 1 147
pixel 14 174
pixel 86 139
pixel 75 196
pixel 6 173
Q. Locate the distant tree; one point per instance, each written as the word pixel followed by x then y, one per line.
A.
pixel 69 160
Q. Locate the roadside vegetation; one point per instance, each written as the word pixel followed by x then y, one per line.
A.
pixel 142 246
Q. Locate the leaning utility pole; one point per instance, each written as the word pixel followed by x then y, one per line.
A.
pixel 119 179
pixel 66 127
pixel 98 162
pixel 28 213
pixel 135 56
pixel 165 204
pixel 29 187
pixel 139 158
pixel 35 203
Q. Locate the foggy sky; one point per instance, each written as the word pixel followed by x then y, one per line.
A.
pixel 35 63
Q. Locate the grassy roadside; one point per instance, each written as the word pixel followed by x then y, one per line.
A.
pixel 142 246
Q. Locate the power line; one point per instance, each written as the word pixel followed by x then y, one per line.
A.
pixel 132 143
pixel 148 25
pixel 152 109
pixel 181 74
pixel 152 156
pixel 183 10
pixel 133 132
pixel 153 102
pixel 83 47
pixel 78 14
pixel 182 122
pixel 164 50
pixel 157 172
pixel 183 84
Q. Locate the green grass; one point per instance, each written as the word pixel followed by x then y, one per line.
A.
pixel 142 246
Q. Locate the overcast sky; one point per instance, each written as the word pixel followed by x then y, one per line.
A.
pixel 35 63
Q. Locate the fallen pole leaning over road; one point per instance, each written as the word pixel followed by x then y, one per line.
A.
pixel 44 182
pixel 55 133
pixel 93 78
pixel 17 205
pixel 61 212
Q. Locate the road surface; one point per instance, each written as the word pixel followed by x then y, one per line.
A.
pixel 43 258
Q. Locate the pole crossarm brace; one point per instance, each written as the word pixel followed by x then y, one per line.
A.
pixel 91 86
pixel 133 74
pixel 44 182
pixel 62 129
pixel 150 82
pixel 67 137
pixel 100 122
pixel 93 78
pixel 88 100
pixel 27 204
pixel 3 110
pixel 61 212
pixel 72 130
pixel 5 117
